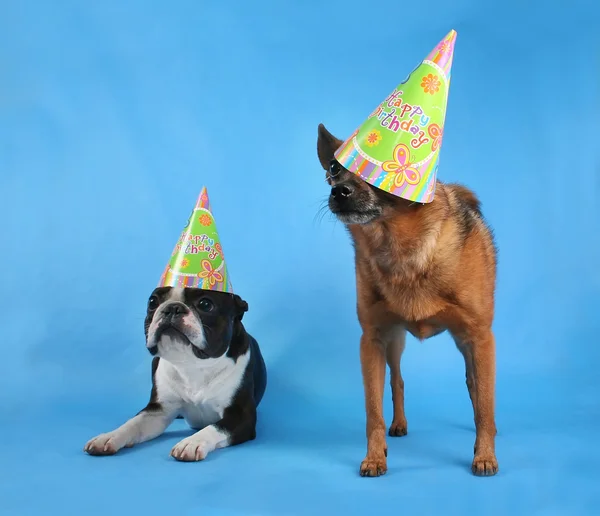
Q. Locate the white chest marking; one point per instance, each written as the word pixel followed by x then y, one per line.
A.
pixel 200 390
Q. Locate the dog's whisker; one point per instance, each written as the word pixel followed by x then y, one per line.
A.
pixel 323 215
pixel 320 201
pixel 322 211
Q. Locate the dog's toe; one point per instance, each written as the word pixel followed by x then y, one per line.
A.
pixel 373 468
pixel 190 451
pixel 398 429
pixel 484 466
pixel 104 444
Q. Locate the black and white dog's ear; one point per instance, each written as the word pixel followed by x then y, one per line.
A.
pixel 240 305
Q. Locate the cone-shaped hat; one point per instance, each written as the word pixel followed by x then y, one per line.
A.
pixel 397 148
pixel 197 260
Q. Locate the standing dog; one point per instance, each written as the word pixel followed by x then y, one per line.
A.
pixel 206 368
pixel 422 268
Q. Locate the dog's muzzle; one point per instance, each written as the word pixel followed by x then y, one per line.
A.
pixel 172 324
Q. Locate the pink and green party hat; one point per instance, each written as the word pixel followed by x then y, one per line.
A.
pixel 397 148
pixel 197 260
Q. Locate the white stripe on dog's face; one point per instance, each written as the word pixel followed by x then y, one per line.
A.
pixel 172 343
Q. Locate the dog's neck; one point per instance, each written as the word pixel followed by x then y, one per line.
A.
pixel 194 374
pixel 193 371
pixel 406 239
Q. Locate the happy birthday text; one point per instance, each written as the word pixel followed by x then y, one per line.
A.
pixel 403 117
pixel 195 244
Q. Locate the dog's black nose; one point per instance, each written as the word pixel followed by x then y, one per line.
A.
pixel 342 191
pixel 175 309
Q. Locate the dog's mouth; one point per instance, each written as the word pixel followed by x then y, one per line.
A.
pixel 355 211
pixel 172 332
pixel 176 334
pixel 350 216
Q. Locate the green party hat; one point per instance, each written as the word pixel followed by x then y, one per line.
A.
pixel 197 260
pixel 397 148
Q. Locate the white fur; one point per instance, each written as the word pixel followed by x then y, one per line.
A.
pixel 198 389
pixel 143 427
pixel 199 445
pixel 201 391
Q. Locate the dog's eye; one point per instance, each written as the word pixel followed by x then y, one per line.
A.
pixel 334 168
pixel 153 303
pixel 205 305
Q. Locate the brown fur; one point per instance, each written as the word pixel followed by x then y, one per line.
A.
pixel 426 269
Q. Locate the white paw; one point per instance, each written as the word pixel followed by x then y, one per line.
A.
pixel 191 449
pixel 104 444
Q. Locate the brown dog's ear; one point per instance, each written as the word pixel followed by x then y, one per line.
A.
pixel 240 305
pixel 327 144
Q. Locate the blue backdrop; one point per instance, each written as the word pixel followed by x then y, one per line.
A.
pixel 112 117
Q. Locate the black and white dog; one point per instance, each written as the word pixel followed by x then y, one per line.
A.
pixel 206 369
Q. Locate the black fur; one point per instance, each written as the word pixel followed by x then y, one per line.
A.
pixel 153 404
pixel 239 419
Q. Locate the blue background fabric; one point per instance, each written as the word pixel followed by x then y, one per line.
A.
pixel 114 114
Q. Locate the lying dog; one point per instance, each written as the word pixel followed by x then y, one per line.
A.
pixel 425 268
pixel 206 369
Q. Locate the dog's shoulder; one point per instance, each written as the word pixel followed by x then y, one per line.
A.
pixel 464 206
pixel 463 198
pixel 255 375
pixel 466 210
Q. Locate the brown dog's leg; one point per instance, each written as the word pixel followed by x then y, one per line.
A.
pixel 484 366
pixel 465 349
pixel 394 348
pixel 372 358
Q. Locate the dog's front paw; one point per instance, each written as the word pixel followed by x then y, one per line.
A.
pixel 484 465
pixel 191 449
pixel 103 444
pixel 398 428
pixel 373 466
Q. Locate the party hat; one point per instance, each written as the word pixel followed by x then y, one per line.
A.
pixel 197 260
pixel 397 148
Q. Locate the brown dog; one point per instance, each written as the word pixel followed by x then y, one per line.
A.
pixel 425 268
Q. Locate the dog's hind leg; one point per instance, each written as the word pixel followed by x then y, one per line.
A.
pixel 465 349
pixel 483 349
pixel 478 348
pixel 395 343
